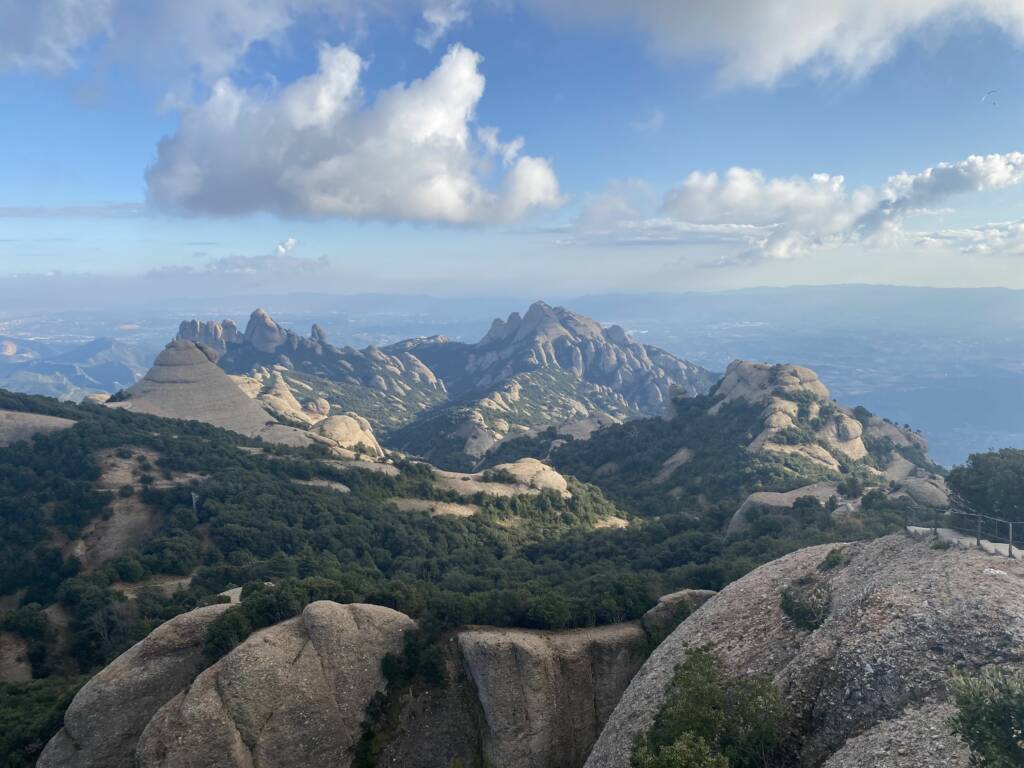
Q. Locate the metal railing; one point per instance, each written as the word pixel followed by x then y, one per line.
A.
pixel 969 523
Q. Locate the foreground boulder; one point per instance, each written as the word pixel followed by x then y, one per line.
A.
pixel 106 717
pixel 901 615
pixel 291 695
pixel 301 692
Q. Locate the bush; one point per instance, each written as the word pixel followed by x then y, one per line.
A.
pixel 713 720
pixel 991 717
pixel 688 751
pixel 834 559
pixel 807 602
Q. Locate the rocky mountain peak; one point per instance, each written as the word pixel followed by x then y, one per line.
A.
pixel 263 333
pixel 758 382
pixel 210 333
pixel 318 334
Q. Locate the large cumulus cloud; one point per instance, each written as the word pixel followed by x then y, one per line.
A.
pixel 317 148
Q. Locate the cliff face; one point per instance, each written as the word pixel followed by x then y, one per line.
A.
pixel 901 616
pixel 106 718
pixel 298 694
pixel 554 337
pixel 451 402
pixel 291 695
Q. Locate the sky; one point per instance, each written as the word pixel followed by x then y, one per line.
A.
pixel 513 147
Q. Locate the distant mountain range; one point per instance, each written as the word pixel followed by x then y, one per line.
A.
pixel 946 361
pixel 100 365
pixel 450 401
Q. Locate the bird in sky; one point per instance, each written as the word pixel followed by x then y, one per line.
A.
pixel 990 96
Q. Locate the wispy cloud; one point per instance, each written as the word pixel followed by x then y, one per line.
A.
pixel 101 210
pixel 784 218
pixel 757 42
pixel 439 17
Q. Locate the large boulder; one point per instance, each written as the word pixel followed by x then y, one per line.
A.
pixel 672 609
pixel 350 431
pixel 901 616
pixel 546 695
pixel 294 694
pixel 919 738
pixel 299 693
pixel 106 717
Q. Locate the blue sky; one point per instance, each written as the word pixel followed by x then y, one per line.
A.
pixel 349 145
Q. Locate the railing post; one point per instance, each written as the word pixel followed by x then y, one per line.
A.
pixel 1009 548
pixel 935 522
pixel 977 538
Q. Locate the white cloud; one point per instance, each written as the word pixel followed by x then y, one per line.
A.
pixel 314 148
pixel 757 42
pixel 265 266
pixel 783 218
pixel 178 41
pixel 46 34
pixel 906 192
pixel 440 16
pixel 285 246
pixel 1004 238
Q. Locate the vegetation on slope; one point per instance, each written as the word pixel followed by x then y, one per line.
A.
pixel 530 561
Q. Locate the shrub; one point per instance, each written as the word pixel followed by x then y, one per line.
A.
pixel 991 717
pixel 688 751
pixel 807 602
pixel 499 476
pixel 713 720
pixel 834 559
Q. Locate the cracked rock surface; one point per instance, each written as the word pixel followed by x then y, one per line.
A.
pixel 103 723
pixel 294 694
pixel 902 616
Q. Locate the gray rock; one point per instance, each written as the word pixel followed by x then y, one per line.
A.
pixel 106 717
pixel 294 694
pixel 546 695
pixel 901 616
pixel 671 609
pixel 919 738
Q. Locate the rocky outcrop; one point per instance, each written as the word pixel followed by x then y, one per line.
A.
pixel 535 474
pixel 671 609
pixel 528 476
pixel 799 419
pixel 210 333
pixel 298 694
pixel 554 337
pixel 350 431
pixel 546 695
pixel 919 738
pixel 295 694
pixel 778 500
pixel 185 383
pixel 16 426
pixel 263 333
pixel 901 616
pixel 106 718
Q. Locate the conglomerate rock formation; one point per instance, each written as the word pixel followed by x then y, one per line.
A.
pixel 901 616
